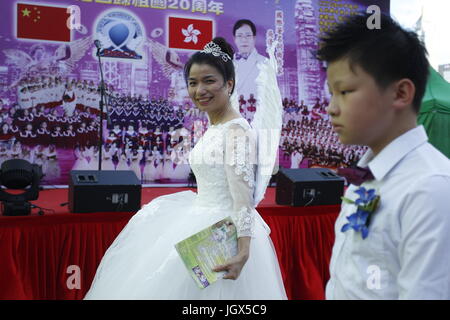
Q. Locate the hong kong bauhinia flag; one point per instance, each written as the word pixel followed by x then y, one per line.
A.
pixel 42 22
pixel 191 34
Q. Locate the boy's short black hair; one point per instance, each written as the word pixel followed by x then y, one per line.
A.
pixel 388 54
pixel 241 22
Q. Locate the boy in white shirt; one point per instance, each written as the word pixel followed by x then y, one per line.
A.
pixel 398 249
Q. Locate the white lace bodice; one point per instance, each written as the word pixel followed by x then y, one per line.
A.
pixel 223 162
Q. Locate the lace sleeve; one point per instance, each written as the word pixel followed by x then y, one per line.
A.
pixel 240 162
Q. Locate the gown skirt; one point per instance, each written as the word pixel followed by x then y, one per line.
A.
pixel 142 262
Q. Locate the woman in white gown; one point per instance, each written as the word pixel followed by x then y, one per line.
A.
pixel 135 162
pixel 93 158
pixel 158 164
pixel 51 168
pixel 123 160
pixel 142 262
pixel 182 169
pixel 168 165
pixel 149 169
pixel 107 162
pixel 81 162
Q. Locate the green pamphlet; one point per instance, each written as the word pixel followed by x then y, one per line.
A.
pixel 208 248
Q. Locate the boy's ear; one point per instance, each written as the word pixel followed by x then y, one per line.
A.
pixel 404 91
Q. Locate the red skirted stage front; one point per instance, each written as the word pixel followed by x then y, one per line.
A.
pixel 41 256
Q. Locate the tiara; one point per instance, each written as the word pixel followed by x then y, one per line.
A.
pixel 214 49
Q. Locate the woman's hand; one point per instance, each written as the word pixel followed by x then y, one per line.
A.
pixel 234 266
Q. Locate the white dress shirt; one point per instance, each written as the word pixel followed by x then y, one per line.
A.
pixel 406 254
pixel 246 74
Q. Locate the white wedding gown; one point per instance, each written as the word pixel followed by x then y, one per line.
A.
pixel 142 262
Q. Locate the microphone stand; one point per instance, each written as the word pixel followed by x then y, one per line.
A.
pixel 101 104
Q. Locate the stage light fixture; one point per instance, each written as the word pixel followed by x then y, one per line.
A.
pixel 18 174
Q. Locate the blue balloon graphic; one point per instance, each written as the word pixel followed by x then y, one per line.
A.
pixel 118 34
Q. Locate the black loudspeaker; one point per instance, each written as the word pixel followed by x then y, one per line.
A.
pixel 307 187
pixel 104 191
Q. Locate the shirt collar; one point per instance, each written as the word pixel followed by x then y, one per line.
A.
pixel 393 153
pixel 253 53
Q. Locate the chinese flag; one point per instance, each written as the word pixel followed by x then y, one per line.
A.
pixel 190 34
pixel 42 22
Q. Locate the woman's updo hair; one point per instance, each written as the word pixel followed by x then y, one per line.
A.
pixel 226 68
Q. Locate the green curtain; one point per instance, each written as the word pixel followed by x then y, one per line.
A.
pixel 434 114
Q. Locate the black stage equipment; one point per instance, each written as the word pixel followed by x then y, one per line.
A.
pixel 18 174
pixel 308 187
pixel 104 191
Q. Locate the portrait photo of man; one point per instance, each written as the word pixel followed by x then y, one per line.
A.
pixel 246 58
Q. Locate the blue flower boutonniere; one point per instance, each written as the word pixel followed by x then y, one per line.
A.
pixel 367 203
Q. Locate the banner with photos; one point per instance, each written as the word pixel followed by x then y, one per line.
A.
pixel 49 74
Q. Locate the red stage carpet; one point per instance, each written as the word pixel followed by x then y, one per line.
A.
pixel 40 256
